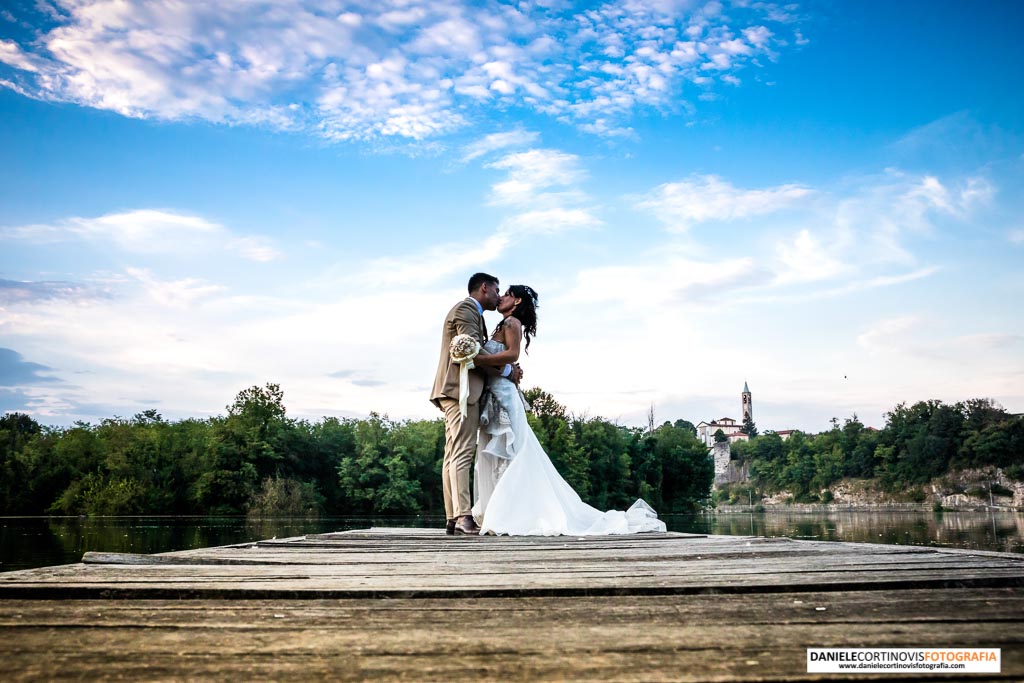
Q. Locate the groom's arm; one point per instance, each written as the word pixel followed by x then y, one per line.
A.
pixel 467 321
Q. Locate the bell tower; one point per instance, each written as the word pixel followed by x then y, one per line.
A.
pixel 748 404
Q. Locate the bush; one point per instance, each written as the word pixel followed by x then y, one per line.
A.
pixel 916 495
pixel 1000 490
pixel 281 497
pixel 98 495
pixel 737 494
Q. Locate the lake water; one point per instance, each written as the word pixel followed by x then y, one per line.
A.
pixel 27 542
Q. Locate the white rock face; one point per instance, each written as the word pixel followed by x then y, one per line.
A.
pixel 721 453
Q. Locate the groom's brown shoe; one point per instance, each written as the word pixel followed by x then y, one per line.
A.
pixel 466 526
pixel 449 527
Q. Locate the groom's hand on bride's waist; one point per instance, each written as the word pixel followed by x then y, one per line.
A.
pixel 516 374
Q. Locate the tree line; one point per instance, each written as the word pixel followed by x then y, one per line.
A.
pixel 256 460
pixel 918 443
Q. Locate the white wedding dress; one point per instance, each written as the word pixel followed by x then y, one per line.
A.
pixel 519 492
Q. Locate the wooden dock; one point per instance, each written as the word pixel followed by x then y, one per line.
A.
pixel 413 604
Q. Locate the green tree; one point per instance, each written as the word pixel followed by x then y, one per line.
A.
pixel 247 447
pixel 767 457
pixel 687 472
pixel 606 448
pixel 331 441
pixel 647 468
pixel 16 431
pixel 377 477
pixel 685 424
pixel 420 444
pixel 799 470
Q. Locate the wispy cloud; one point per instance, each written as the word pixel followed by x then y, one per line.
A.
pixel 953 142
pixel 399 68
pixel 146 231
pixel 668 281
pixel 853 286
pixel 543 185
pixel 806 260
pixel 549 221
pixel 888 335
pixel 699 199
pixel 17 291
pixel 357 378
pixel 496 141
pixel 430 266
pixel 879 214
pixel 181 294
pixel 532 174
pixel 540 186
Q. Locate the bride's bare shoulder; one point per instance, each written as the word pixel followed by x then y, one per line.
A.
pixel 513 324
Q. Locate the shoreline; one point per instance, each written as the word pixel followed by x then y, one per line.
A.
pixel 857 507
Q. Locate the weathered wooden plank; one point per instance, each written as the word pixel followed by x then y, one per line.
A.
pixel 708 638
pixel 726 608
pixel 138 559
pixel 696 568
pixel 305 587
pixel 365 564
pixel 396 569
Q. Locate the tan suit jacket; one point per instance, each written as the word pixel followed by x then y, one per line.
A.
pixel 464 318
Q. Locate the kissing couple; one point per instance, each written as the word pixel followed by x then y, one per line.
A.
pixel 517 491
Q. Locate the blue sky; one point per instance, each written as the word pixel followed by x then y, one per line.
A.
pixel 822 199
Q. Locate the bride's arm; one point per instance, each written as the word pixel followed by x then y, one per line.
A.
pixel 513 331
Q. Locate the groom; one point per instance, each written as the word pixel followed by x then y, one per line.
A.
pixel 460 433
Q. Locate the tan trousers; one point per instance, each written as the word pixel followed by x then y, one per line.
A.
pixel 460 437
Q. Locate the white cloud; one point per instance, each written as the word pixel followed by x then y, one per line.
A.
pixel 146 231
pixel 432 265
pixel 989 340
pixel 532 171
pixel 1016 236
pixel 550 221
pixel 406 68
pixel 853 286
pixel 543 186
pixel 882 212
pixel 496 141
pixel 258 249
pixel 12 55
pixel 806 260
pixel 757 35
pixel 181 294
pixel 661 282
pixel 709 198
pixel 889 335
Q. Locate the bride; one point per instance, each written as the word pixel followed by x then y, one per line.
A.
pixel 517 489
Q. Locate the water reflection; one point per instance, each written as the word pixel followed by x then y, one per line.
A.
pixel 999 530
pixel 42 541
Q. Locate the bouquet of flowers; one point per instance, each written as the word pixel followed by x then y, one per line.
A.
pixel 463 350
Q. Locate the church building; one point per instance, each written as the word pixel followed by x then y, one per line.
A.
pixel 720 453
pixel 706 430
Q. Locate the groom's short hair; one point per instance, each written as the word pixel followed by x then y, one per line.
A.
pixel 480 279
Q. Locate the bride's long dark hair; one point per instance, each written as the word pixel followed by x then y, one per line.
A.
pixel 526 311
